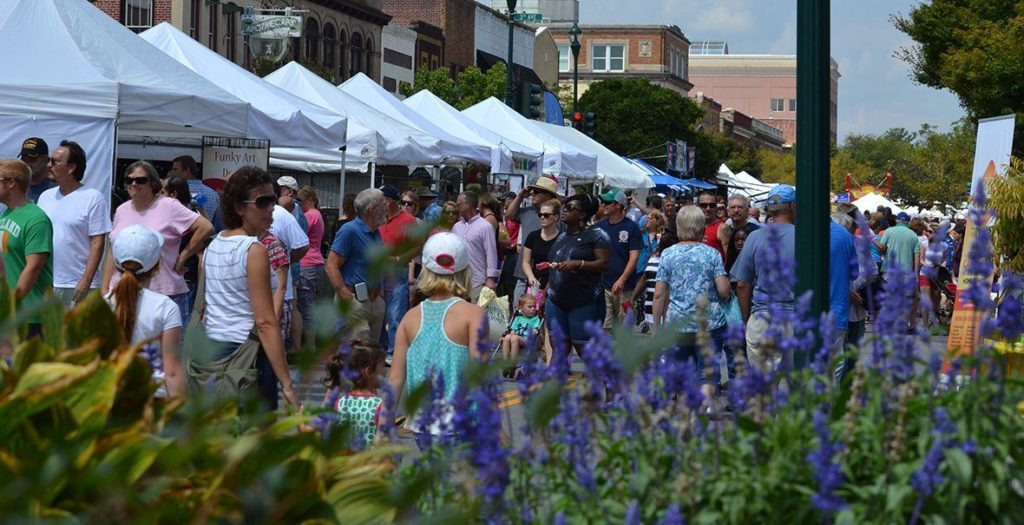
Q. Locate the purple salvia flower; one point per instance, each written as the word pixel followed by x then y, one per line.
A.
pixel 632 513
pixel 692 396
pixel 943 425
pixel 1009 321
pixel 969 447
pixel 477 420
pixel 673 516
pixel 560 518
pixel 826 469
pixel 927 479
pixel 603 367
pixel 434 409
pixel 387 425
pixel 572 428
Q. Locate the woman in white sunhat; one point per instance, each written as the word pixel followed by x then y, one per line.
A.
pixel 439 336
pixel 144 315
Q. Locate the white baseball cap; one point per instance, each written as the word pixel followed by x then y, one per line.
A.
pixel 288 182
pixel 445 254
pixel 140 244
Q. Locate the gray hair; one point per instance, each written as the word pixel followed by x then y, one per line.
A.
pixel 367 199
pixel 740 197
pixel 690 223
pixel 842 219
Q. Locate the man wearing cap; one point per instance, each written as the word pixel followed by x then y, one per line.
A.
pixel 35 152
pixel 430 210
pixel 203 194
pixel 26 240
pixel 620 278
pixel 708 203
pixel 541 191
pixel 753 288
pixel 899 244
pixel 80 224
pixel 393 234
pixel 478 234
pixel 348 265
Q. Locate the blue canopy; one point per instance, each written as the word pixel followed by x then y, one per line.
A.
pixel 660 178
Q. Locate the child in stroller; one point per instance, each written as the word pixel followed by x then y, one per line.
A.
pixel 526 321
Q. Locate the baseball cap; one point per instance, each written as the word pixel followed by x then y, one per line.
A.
pixel 545 184
pixel 140 244
pixel 903 216
pixel 391 192
pixel 782 194
pixel 34 147
pixel 426 192
pixel 288 182
pixel 614 195
pixel 445 254
pixel 508 195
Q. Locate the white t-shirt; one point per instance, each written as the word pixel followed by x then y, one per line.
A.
pixel 229 316
pixel 287 229
pixel 76 217
pixel 154 315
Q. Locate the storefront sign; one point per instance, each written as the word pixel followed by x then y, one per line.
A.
pixel 223 156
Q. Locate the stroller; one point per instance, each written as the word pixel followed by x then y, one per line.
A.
pixel 943 281
pixel 514 371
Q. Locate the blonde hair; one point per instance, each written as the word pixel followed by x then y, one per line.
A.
pixel 690 223
pixel 415 201
pixel 655 215
pixel 16 170
pixel 457 284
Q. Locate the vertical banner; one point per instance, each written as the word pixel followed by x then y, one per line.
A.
pixel 991 155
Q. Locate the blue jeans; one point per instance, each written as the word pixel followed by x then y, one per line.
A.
pixel 396 297
pixel 688 349
pixel 186 313
pixel 572 320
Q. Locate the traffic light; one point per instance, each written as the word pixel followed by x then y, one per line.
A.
pixel 589 123
pixel 577 121
pixel 530 100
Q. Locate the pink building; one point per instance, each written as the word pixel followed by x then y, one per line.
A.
pixel 761 86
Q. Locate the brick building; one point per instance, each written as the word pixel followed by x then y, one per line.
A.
pixel 761 86
pixel 343 35
pixel 658 53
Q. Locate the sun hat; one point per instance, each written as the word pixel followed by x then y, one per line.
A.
pixel 614 195
pixel 545 184
pixel 140 244
pixel 782 194
pixel 426 192
pixel 445 254
pixel 288 182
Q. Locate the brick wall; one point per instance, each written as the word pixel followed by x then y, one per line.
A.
pixel 405 12
pixel 459 25
pixel 161 9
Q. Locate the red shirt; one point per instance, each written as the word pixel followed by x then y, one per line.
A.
pixel 396 229
pixel 711 238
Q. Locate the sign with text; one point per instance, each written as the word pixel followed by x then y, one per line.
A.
pixel 222 156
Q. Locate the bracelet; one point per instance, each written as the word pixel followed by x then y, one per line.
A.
pixel 581 265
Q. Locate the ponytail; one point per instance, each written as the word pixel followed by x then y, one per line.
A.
pixel 126 295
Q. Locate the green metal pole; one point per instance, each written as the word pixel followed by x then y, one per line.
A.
pixel 575 82
pixel 813 76
pixel 508 82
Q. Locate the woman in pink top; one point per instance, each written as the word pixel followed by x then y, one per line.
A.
pixel 311 265
pixel 168 217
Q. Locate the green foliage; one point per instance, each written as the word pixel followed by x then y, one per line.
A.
pixel 1007 199
pixel 777 166
pixel 468 88
pixel 972 48
pixel 263 66
pixel 636 117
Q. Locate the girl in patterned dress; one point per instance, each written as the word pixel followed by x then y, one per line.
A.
pixel 361 368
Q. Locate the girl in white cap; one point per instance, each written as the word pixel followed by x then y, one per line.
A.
pixel 146 316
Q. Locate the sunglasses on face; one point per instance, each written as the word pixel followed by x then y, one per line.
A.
pixel 54 161
pixel 407 203
pixel 707 205
pixel 262 202
pixel 128 181
pixel 572 208
pixel 546 215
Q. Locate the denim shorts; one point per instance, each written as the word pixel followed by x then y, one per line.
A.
pixel 572 320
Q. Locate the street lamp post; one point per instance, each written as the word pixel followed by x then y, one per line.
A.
pixel 574 44
pixel 511 26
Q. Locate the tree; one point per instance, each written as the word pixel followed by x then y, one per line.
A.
pixel 972 48
pixel 636 118
pixel 469 87
pixel 777 166
pixel 262 66
pixel 1008 202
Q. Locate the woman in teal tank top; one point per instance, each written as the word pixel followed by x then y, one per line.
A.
pixel 439 336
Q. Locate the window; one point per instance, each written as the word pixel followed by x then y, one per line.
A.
pixel 356 52
pixel 211 41
pixel 229 35
pixel 342 55
pixel 792 104
pixel 564 59
pixel 778 104
pixel 138 14
pixel 330 45
pixel 311 34
pixel 193 14
pixel 369 58
pixel 608 58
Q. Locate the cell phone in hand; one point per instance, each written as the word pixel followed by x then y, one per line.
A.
pixel 543 266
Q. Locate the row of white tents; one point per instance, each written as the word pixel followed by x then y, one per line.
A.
pixel 73 72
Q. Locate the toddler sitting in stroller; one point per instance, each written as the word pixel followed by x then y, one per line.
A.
pixel 525 322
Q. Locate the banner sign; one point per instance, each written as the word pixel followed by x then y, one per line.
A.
pixel 222 156
pixel 991 155
pixel 270 31
pixel 524 165
pixel 676 157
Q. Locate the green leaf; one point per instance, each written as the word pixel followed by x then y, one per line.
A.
pixel 960 463
pixel 992 494
pixel 544 405
pixel 93 319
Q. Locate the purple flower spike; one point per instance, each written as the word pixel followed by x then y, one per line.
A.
pixel 826 469
pixel 673 516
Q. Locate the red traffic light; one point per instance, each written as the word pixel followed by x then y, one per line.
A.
pixel 577 117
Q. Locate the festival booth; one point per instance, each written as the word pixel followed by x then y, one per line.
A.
pixel 72 72
pixel 560 158
pixel 612 170
pixel 662 181
pixel 871 201
pixel 743 183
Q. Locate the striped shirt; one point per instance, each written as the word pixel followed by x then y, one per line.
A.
pixel 229 316
pixel 651 274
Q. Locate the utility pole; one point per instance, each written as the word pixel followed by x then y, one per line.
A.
pixel 509 88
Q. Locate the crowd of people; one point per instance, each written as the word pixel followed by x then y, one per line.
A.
pixel 247 260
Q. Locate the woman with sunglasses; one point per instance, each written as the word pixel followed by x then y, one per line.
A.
pixel 578 259
pixel 237 273
pixel 410 203
pixel 172 220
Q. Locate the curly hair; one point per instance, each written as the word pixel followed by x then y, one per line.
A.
pixel 360 356
pixel 588 204
pixel 236 192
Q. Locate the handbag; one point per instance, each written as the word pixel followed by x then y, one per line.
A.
pixel 732 311
pixel 233 376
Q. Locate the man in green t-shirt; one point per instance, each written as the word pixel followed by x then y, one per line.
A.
pixel 26 240
pixel 900 244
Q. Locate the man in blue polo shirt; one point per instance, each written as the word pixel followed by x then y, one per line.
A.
pixel 348 265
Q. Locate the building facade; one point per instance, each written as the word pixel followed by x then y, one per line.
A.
pixel 398 64
pixel 657 53
pixel 545 57
pixel 761 86
pixel 552 11
pixel 344 36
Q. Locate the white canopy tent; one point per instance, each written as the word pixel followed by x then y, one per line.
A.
pixel 503 151
pixel 373 137
pixel 872 201
pixel 284 119
pixel 560 158
pixel 743 183
pixel 613 170
pixel 455 150
pixel 72 72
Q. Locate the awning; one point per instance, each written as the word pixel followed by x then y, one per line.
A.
pixel 660 178
pixel 485 60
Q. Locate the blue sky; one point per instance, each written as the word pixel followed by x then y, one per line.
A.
pixel 875 91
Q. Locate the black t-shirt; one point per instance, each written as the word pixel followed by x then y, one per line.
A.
pixel 732 254
pixel 570 289
pixel 539 252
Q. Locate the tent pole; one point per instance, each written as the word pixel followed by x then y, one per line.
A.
pixel 341 181
pixel 373 174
